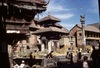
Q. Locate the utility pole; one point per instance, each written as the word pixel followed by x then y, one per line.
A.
pixel 82 20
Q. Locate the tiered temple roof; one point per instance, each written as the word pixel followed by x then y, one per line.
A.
pixel 50 27
pixel 49 19
pixel 51 30
pixel 18 14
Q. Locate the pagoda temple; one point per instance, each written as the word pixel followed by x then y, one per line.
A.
pixel 50 32
pixel 15 18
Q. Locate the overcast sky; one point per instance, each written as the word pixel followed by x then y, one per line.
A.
pixel 69 11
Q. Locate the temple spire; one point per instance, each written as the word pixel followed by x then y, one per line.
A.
pixel 48 13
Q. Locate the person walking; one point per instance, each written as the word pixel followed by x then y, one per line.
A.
pixel 71 60
pixel 94 57
pixel 85 63
pixel 79 55
pixel 98 62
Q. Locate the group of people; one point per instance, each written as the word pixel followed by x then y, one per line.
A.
pixel 79 59
pixel 22 65
pixel 95 55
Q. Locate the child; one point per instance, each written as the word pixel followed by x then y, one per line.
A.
pixel 85 63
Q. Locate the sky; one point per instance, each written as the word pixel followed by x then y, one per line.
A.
pixel 69 11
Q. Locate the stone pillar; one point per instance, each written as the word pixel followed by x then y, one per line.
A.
pixel 83 32
pixel 42 47
pixel 49 46
pixel 58 45
pixel 33 40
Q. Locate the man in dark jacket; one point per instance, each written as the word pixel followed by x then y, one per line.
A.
pixel 94 57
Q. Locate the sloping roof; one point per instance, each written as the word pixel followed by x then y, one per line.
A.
pixel 15 20
pixel 27 4
pixel 32 1
pixel 43 2
pixel 79 25
pixel 29 7
pixel 40 2
pixel 50 18
pixel 33 26
pixel 90 28
pixel 51 29
pixel 58 25
pixel 97 25
pixel 36 19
